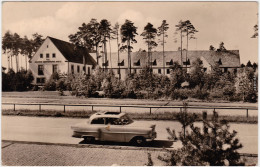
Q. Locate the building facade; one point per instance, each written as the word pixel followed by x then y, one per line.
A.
pixel 55 55
pixel 228 60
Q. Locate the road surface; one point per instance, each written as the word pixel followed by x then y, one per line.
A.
pixel 57 130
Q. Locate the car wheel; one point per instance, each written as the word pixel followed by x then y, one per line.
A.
pixel 89 139
pixel 139 141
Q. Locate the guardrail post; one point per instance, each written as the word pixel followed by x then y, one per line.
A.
pixel 64 109
pixel 92 108
pixel 39 107
pixel 214 110
pixel 247 113
pixel 180 109
pixel 14 107
pixel 150 110
pixel 120 109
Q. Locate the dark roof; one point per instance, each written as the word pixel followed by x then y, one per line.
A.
pixel 228 58
pixel 73 53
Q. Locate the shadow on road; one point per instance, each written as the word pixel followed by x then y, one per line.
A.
pixel 152 144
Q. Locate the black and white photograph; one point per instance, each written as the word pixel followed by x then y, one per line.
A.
pixel 129 83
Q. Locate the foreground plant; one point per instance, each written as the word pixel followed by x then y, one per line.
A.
pixel 213 145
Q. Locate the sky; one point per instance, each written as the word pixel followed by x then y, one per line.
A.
pixel 228 22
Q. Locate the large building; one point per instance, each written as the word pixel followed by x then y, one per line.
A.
pixel 55 55
pixel 228 60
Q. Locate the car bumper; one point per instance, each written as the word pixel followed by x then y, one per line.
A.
pixel 77 135
pixel 154 135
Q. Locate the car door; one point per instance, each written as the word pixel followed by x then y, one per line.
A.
pixel 113 131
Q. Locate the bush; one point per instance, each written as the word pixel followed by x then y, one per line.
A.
pixel 20 81
pixel 206 147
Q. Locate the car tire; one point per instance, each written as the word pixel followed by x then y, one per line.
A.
pixel 88 139
pixel 139 141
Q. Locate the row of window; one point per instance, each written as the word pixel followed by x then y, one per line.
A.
pixel 55 69
pixel 48 55
pixel 41 69
pixel 159 71
pixel 78 69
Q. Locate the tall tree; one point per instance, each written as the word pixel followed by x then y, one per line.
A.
pixel 16 49
pixel 212 48
pixel 190 30
pixel 180 28
pixel 221 47
pixel 128 32
pixel 88 36
pixel 115 35
pixel 149 35
pixel 256 31
pixel 163 32
pixel 37 41
pixel 7 46
pixel 25 43
pixel 105 30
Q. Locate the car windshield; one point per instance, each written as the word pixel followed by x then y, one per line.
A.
pixel 126 120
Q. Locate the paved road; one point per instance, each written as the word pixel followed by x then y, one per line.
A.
pixel 57 130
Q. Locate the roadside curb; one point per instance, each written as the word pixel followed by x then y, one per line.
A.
pixel 88 146
pixel 103 146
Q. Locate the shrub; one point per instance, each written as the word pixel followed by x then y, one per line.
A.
pixel 20 81
pixel 214 145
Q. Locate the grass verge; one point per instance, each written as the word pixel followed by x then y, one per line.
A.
pixel 137 116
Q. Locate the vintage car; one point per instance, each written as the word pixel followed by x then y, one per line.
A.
pixel 114 126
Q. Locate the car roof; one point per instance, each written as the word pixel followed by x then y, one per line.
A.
pixel 106 115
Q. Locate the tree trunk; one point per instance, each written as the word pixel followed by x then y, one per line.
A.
pixel 163 56
pixel 129 56
pixel 8 60
pixel 17 63
pixel 105 50
pixel 118 56
pixel 97 54
pixel 187 49
pixel 11 62
pixel 181 49
pixel 110 54
pixel 25 62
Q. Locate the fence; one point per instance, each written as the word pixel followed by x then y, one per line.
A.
pixel 253 110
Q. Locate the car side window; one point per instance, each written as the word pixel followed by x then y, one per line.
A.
pixel 98 121
pixel 113 121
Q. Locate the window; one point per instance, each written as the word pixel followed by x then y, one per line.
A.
pixel 72 69
pixel 53 55
pixel 78 69
pixel 54 68
pixel 84 68
pixel 40 70
pixel 98 121
pixel 41 55
pixel 47 46
pixel 159 71
pixel 225 69
pixel 40 80
pixel 168 71
pixel 88 70
pixel 47 55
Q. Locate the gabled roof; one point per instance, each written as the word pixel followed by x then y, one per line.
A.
pixel 228 58
pixel 73 53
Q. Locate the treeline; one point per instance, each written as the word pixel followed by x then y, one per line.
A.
pixel 13 45
pixel 181 85
pixel 95 35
